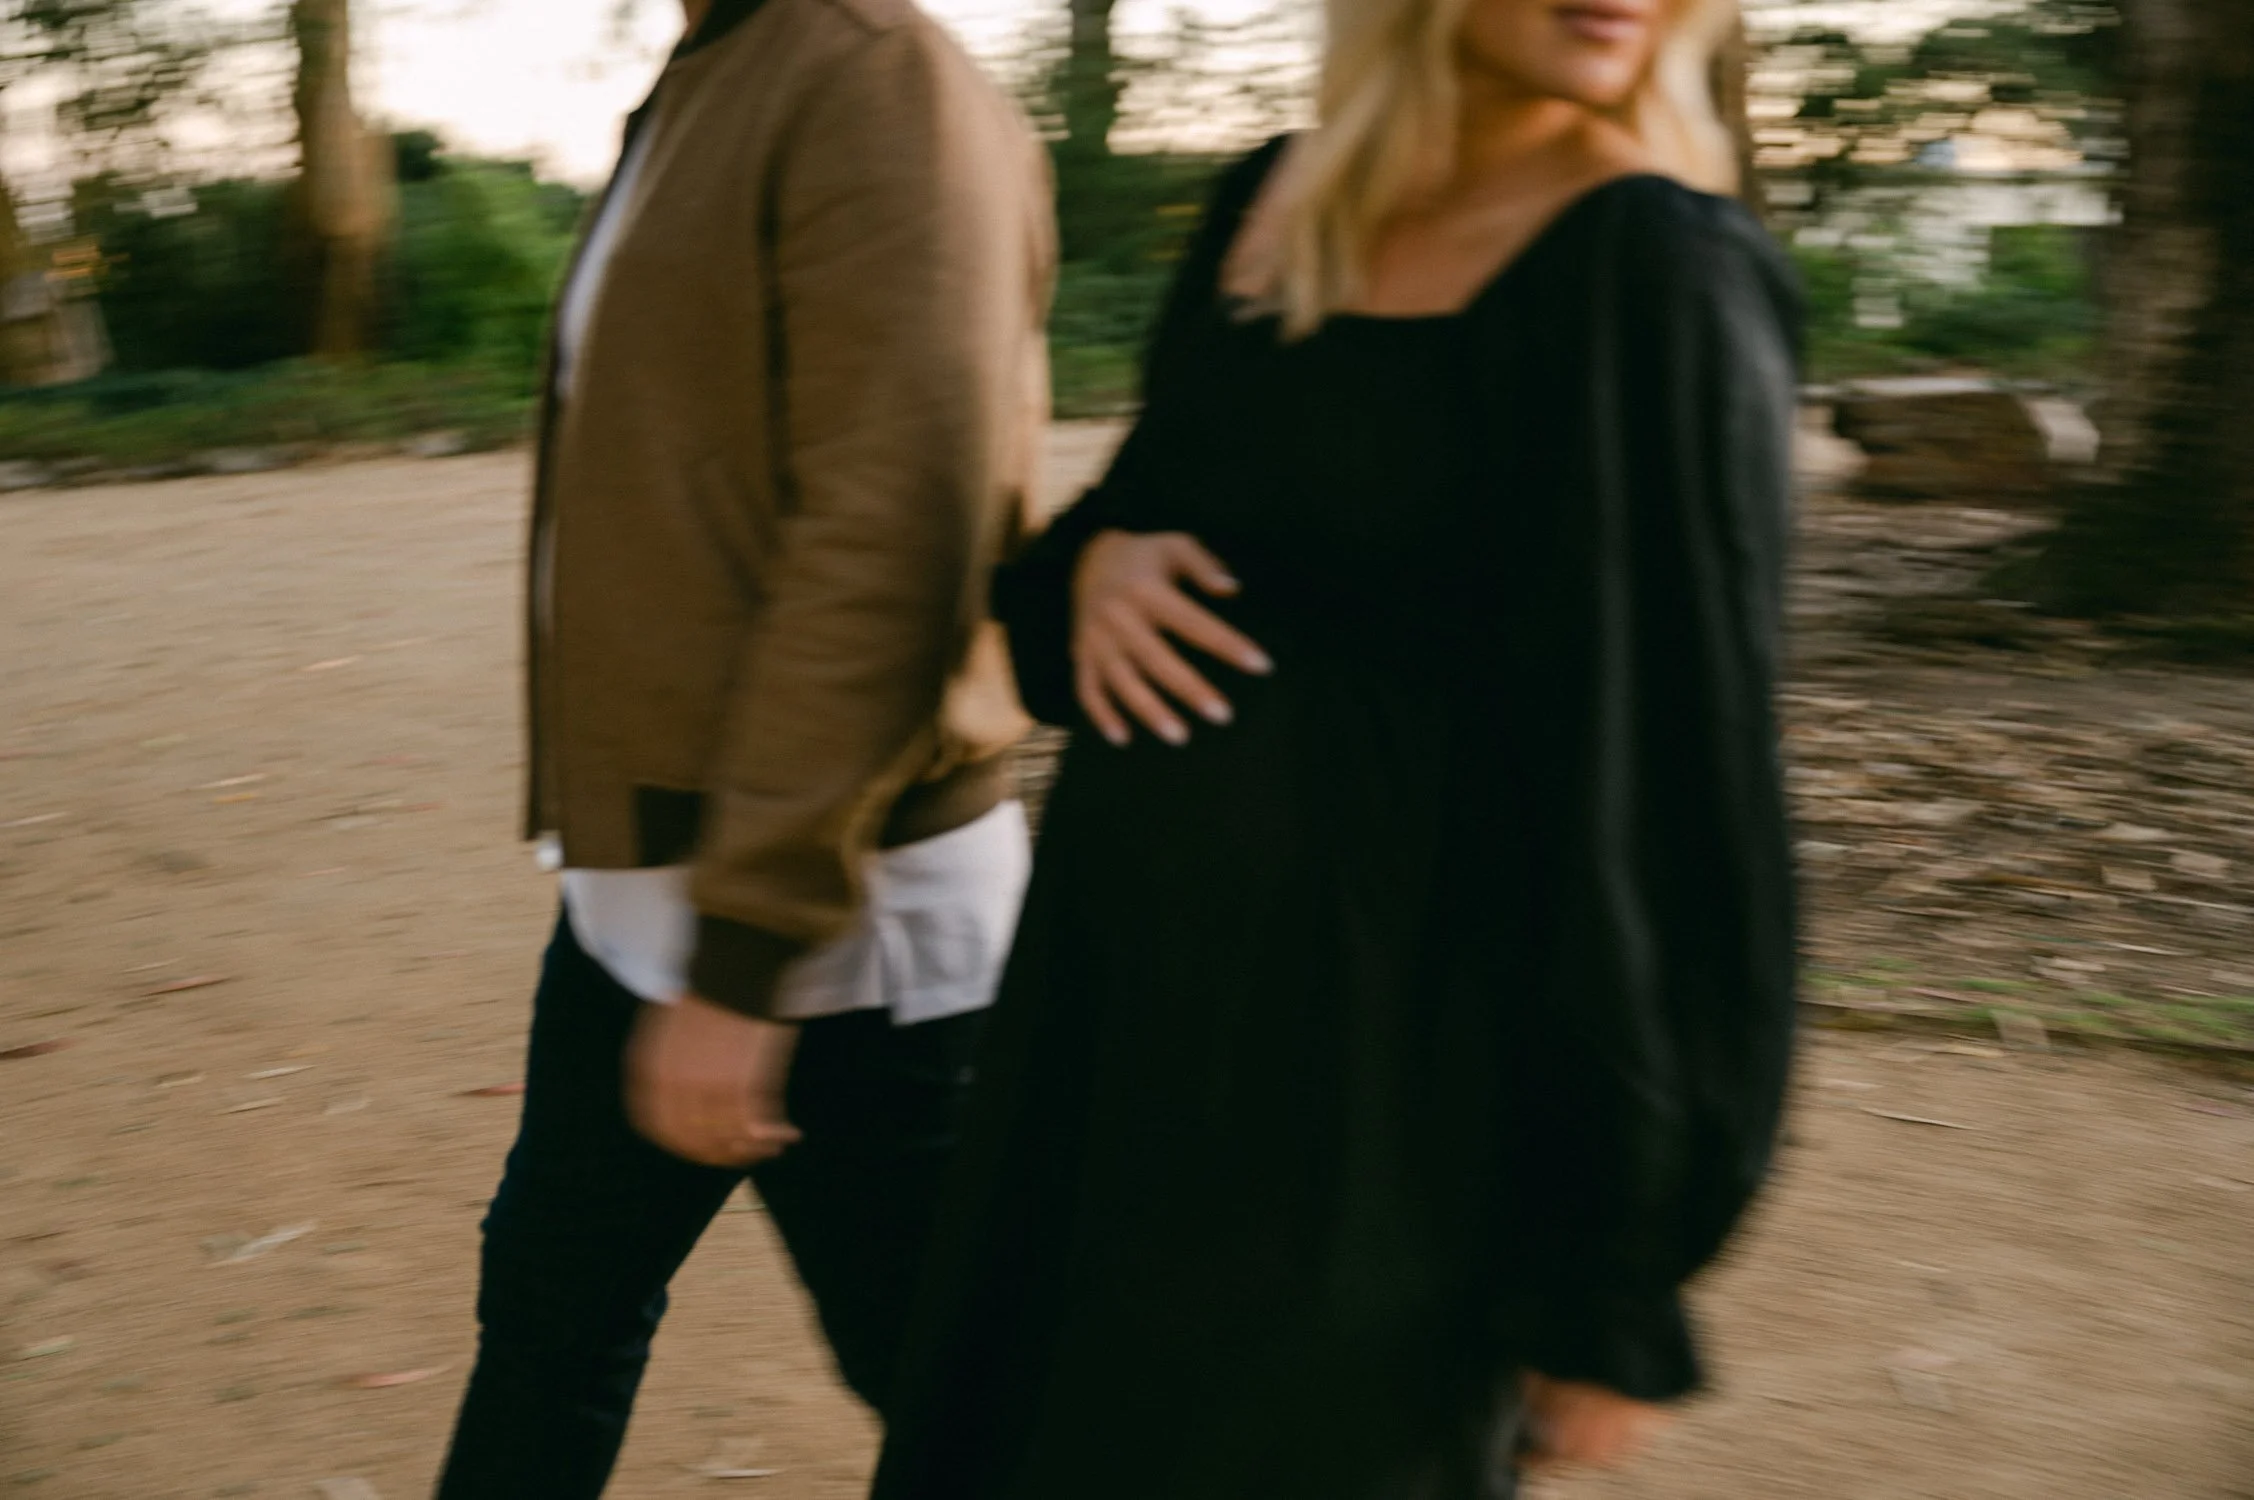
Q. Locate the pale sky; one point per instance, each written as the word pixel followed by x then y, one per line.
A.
pixel 546 78
pixel 549 79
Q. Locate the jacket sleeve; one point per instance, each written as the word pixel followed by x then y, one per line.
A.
pixel 1666 998
pixel 1033 591
pixel 908 281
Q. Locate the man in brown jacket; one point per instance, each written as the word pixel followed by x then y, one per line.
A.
pixel 795 398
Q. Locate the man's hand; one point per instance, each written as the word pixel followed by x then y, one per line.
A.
pixel 1127 599
pixel 707 1084
pixel 1572 1423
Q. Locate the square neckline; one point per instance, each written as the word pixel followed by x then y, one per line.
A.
pixel 1239 305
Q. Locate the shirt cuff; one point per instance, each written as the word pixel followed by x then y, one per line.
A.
pixel 740 968
pixel 1636 1342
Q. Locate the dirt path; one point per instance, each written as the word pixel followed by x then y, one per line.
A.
pixel 260 731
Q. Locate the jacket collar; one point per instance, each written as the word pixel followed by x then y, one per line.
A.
pixel 724 17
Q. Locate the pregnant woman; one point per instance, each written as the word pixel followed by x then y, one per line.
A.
pixel 1402 1010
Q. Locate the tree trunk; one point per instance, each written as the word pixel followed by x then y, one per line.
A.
pixel 1091 79
pixel 1092 213
pixel 2166 524
pixel 344 190
pixel 27 316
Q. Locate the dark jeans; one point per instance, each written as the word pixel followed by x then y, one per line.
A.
pixel 591 1221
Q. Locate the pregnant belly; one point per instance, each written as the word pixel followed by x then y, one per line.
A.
pixel 1334 768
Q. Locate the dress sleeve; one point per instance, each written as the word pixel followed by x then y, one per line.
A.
pixel 1663 997
pixel 1033 592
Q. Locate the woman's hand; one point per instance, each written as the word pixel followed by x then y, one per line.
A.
pixel 1568 1422
pixel 1127 600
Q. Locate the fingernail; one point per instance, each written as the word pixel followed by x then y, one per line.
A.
pixel 1118 738
pixel 1175 734
pixel 1219 713
pixel 1259 663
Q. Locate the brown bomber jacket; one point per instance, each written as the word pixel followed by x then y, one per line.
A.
pixel 803 425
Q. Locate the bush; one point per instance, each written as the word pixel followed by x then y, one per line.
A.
pixel 1097 335
pixel 201 278
pixel 481 247
pixel 2033 314
pixel 135 420
pixel 194 288
pixel 1125 220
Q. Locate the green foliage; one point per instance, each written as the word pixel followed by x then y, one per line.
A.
pixel 481 247
pixel 2032 315
pixel 193 288
pixel 1108 295
pixel 1097 334
pixel 189 277
pixel 162 419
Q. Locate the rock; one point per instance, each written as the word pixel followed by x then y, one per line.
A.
pixel 23 474
pixel 141 473
pixel 2067 429
pixel 436 445
pixel 1943 439
pixel 242 460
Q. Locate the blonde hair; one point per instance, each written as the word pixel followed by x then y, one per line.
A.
pixel 1388 120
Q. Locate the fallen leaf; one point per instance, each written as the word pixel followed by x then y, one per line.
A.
pixel 1916 1374
pixel 249 1106
pixel 265 1073
pixel 182 986
pixel 735 1458
pixel 252 1249
pixel 386 1380
pixel 178 1080
pixel 347 1489
pixel 2121 879
pixel 36 1049
pixel 1957 997
pixel 47 1347
pixel 2202 866
pixel 494 1091
pixel 2026 1032
pixel 233 798
pixel 1887 1114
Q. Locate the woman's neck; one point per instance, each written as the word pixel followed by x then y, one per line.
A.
pixel 1505 128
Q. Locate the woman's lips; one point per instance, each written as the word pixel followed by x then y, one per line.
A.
pixel 1608 22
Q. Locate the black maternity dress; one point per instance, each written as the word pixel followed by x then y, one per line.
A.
pixel 1429 1022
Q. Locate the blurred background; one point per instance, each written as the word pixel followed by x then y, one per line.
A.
pixel 274 282
pixel 250 229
